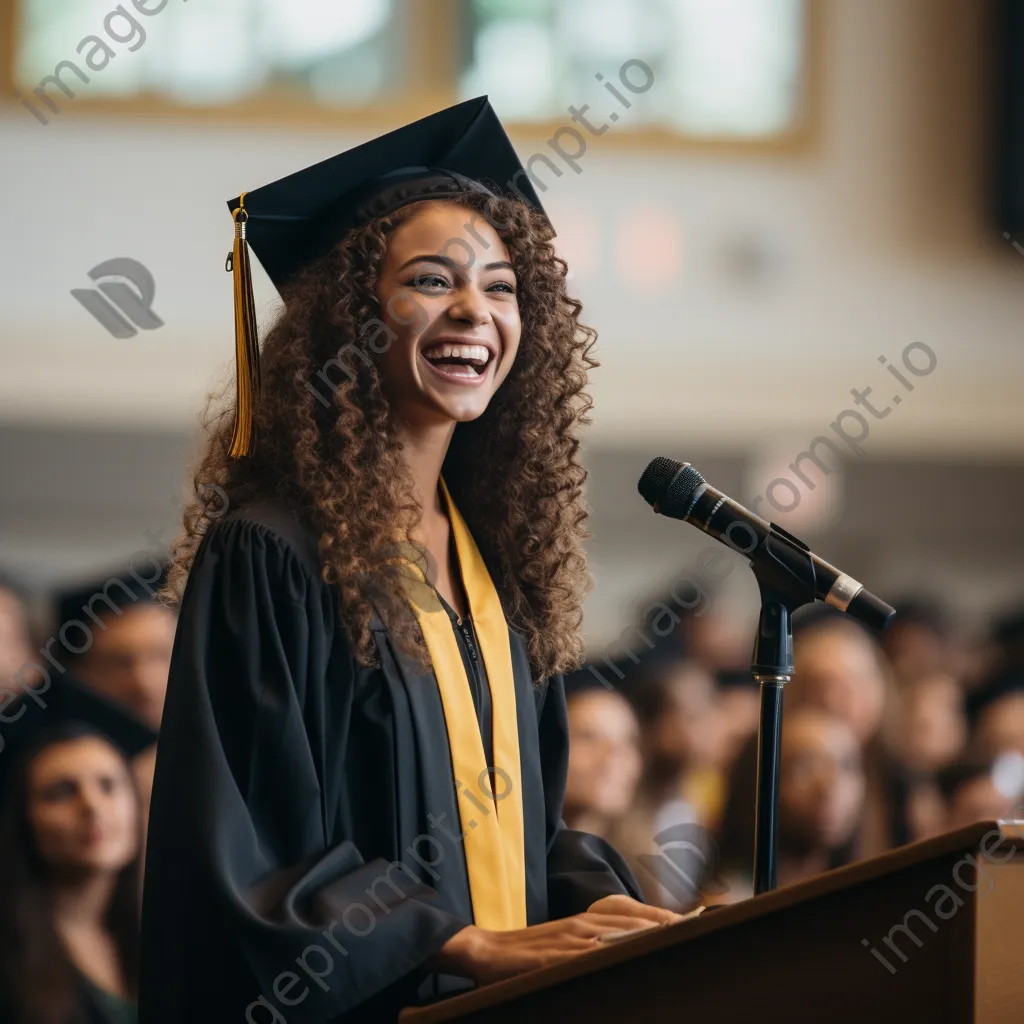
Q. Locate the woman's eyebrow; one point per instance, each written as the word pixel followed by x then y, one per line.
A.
pixel 453 265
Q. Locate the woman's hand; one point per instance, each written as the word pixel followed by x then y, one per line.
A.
pixel 626 906
pixel 487 956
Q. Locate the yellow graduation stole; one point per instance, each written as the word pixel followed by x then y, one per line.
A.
pixel 491 822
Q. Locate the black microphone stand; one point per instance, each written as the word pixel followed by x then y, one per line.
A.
pixel 773 668
pixel 785 577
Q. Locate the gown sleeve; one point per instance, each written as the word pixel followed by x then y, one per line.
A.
pixel 582 867
pixel 249 911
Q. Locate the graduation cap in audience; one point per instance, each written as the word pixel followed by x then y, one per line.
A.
pixel 32 718
pixel 109 596
pixel 293 221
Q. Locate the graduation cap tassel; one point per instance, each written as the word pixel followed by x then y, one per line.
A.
pixel 247 353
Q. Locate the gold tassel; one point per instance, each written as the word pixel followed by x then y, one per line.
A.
pixel 247 353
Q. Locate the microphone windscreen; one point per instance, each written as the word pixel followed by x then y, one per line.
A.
pixel 668 486
pixel 872 611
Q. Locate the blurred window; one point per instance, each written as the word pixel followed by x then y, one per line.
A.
pixel 722 69
pixel 221 51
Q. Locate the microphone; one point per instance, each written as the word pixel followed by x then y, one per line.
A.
pixel 780 561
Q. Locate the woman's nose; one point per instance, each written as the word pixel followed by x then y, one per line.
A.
pixel 89 801
pixel 470 307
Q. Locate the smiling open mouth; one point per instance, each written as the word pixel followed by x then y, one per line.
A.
pixel 468 362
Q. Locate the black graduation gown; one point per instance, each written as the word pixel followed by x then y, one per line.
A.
pixel 95 1006
pixel 304 860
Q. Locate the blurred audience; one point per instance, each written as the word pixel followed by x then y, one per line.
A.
pixel 15 637
pixel 739 711
pixel 996 709
pixel 883 743
pixel 926 734
pixel 70 854
pixel 929 729
pixel 606 762
pixel 683 740
pixel 821 799
pixel 688 740
pixel 123 651
pixel 920 641
pixel 841 670
pixel 1007 640
pixel 981 790
pixel 131 635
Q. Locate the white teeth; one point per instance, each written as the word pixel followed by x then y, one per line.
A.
pixel 472 353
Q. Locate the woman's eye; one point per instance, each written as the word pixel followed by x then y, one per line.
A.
pixel 429 281
pixel 503 286
pixel 63 790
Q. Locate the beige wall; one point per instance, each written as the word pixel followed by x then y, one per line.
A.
pixel 877 233
pixel 876 237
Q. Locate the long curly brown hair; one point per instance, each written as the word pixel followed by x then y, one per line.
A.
pixel 332 454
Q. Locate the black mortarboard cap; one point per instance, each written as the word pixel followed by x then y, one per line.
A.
pixel 109 596
pixel 292 221
pixel 35 714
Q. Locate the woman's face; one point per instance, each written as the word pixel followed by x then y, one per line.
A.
pixel 448 293
pixel 1001 726
pixel 605 761
pixel 932 726
pixel 14 646
pixel 838 671
pixel 821 782
pixel 689 730
pixel 82 806
pixel 130 657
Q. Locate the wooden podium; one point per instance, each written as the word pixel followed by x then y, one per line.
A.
pixel 929 933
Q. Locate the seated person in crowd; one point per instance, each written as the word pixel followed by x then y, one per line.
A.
pixel 978 789
pixel 996 711
pixel 721 637
pixel 931 729
pixel 604 757
pixel 125 642
pixel 926 734
pixel 69 845
pixel 127 636
pixel 839 669
pixel 15 639
pixel 739 711
pixel 677 703
pixel 681 789
pixel 1006 641
pixel 920 641
pixel 821 799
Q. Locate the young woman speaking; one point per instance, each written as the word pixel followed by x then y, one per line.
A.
pixel 362 761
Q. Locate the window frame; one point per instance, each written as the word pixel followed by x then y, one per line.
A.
pixel 435 29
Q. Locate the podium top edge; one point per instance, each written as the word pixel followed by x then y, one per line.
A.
pixel 978 835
